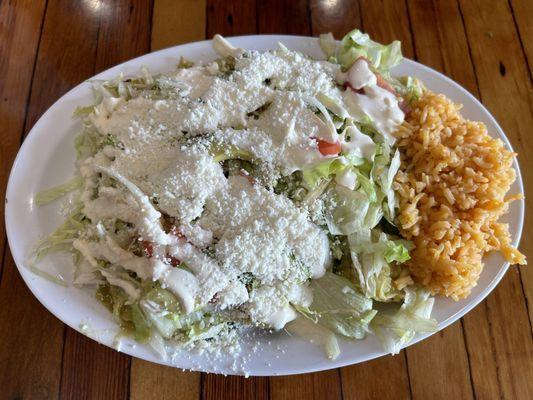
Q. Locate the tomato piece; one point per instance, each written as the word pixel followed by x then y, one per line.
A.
pixel 328 148
pixel 382 83
pixel 173 261
pixel 148 248
pixel 176 232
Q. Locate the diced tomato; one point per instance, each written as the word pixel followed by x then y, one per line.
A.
pixel 405 107
pixel 148 248
pixel 382 83
pixel 176 232
pixel 246 175
pixel 328 148
pixel 173 261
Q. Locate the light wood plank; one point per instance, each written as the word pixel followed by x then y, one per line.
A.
pixel 506 89
pixel 163 383
pixel 19 38
pixel 387 20
pixel 337 17
pixel 523 15
pixel 441 355
pixel 384 378
pixel 172 23
pixel 176 22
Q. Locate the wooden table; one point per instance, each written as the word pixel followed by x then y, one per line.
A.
pixel 47 47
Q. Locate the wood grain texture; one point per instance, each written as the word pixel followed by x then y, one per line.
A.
pixel 316 386
pixel 152 381
pixel 231 18
pixel 172 23
pixel 279 16
pixel 337 17
pixel 385 378
pixel 176 22
pixel 92 371
pixel 505 87
pixel 522 11
pixel 218 387
pixel 19 38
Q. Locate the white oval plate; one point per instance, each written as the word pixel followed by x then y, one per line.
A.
pixel 47 156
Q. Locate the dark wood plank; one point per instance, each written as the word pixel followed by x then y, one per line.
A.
pixel 218 387
pixel 505 87
pixel 30 351
pixel 19 37
pixel 172 23
pixel 337 17
pixel 123 33
pixel 279 16
pixel 522 11
pixel 231 18
pixel 177 22
pixel 92 371
pixel 316 386
pixel 385 378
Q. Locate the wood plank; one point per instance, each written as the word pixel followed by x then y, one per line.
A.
pixel 218 387
pixel 385 21
pixel 92 371
pixel 441 355
pixel 23 348
pixel 279 16
pixel 89 369
pixel 337 17
pixel 19 37
pixel 505 87
pixel 522 11
pixel 177 22
pixel 172 23
pixel 231 18
pixel 319 385
pixel 440 42
pixel 384 378
pixel 152 381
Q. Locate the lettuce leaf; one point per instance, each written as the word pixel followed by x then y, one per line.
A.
pixel 357 44
pixel 54 193
pixel 339 307
pixel 396 328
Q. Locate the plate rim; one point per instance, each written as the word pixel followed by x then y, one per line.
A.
pixel 22 269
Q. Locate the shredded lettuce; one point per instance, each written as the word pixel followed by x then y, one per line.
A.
pixel 316 334
pixel 372 254
pixel 396 328
pixel 357 44
pixel 54 193
pixel 339 307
